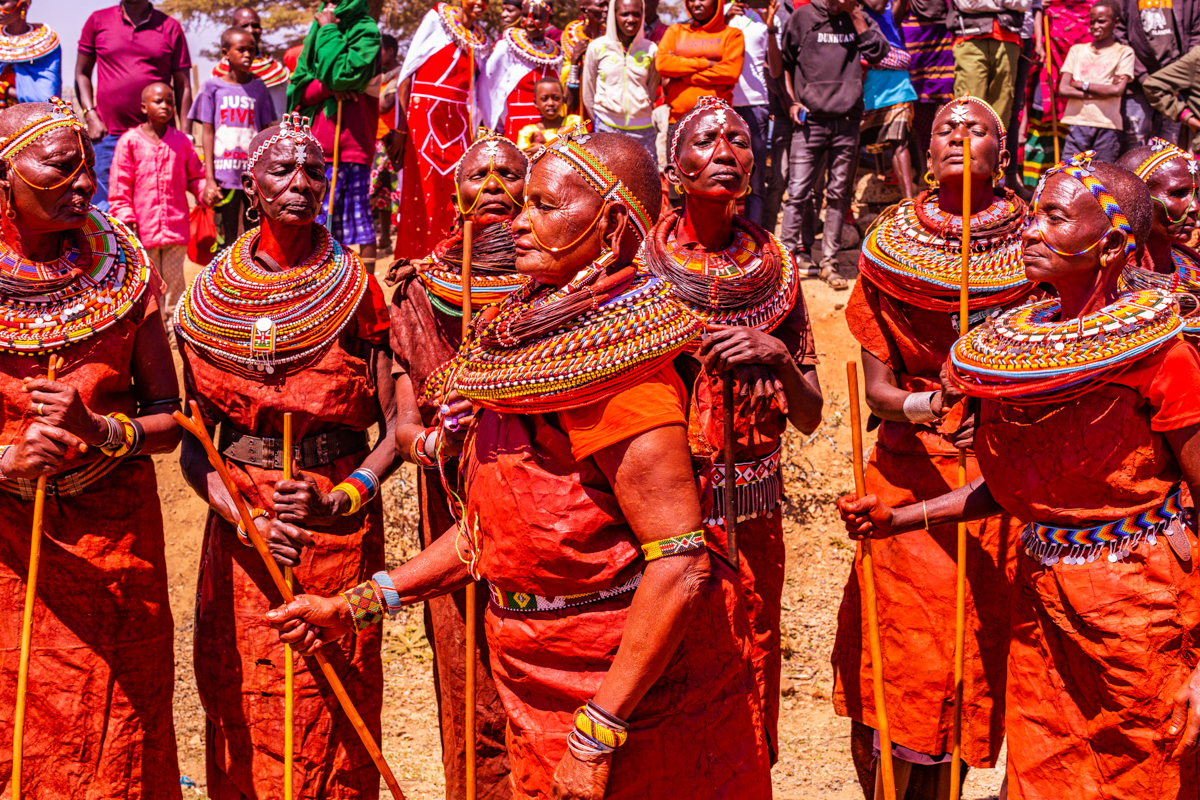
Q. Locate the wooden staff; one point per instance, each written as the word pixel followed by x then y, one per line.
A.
pixel 730 469
pixel 289 664
pixel 35 551
pixel 868 562
pixel 1053 88
pixel 960 609
pixel 468 236
pixel 337 156
pixel 195 426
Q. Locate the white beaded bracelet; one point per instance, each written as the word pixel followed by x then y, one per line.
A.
pixel 918 407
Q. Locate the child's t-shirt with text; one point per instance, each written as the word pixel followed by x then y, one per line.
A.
pixel 237 112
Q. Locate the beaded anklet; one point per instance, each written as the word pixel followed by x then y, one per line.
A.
pixel 674 546
pixel 243 535
pixel 596 731
pixel 365 605
pixel 361 487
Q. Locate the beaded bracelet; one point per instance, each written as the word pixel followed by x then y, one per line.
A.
pixel 391 598
pixel 365 605
pixel 361 487
pixel 420 451
pixel 128 442
pixel 600 731
pixel 674 546
pixel 255 513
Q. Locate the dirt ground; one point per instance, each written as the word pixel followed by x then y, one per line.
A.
pixel 815 759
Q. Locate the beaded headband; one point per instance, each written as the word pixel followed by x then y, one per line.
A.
pixel 1164 151
pixel 959 114
pixel 62 116
pixel 292 126
pixel 570 148
pixel 705 103
pixel 1080 168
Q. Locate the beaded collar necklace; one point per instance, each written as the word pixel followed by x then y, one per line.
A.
pixel 493 270
pixel 467 40
pixel 1080 168
pixel 1183 281
pixel 913 252
pixel 251 319
pixel 720 110
pixel 548 54
pixel 272 72
pixel 1025 356
pixel 752 283
pixel 94 284
pixel 28 46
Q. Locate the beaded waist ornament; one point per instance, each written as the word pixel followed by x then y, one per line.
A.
pixel 1026 356
pixel 758 487
pixel 1050 544
pixel 529 603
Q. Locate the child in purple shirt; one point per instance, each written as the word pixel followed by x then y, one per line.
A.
pixel 233 109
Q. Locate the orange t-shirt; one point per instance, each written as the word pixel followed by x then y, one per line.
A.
pixel 653 403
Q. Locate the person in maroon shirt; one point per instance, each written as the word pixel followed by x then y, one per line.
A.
pixel 132 45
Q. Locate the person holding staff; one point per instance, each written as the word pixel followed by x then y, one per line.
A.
pixel 287 320
pixel 1089 423
pixel 740 281
pixel 75 282
pixel 620 655
pixel 904 313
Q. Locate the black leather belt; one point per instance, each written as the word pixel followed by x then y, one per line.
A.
pixel 314 451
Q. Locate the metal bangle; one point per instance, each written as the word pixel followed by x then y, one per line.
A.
pixel 918 407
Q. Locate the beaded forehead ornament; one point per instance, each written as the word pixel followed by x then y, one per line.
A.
pixel 720 110
pixel 958 114
pixel 61 116
pixel 1164 151
pixel 570 148
pixel 1080 168
pixel 294 127
pixel 490 141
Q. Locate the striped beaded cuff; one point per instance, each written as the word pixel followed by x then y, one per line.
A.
pixel 674 546
pixel 420 454
pixel 255 513
pixel 124 441
pixel 600 729
pixel 391 598
pixel 365 605
pixel 361 487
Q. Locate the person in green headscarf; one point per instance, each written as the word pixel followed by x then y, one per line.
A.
pixel 339 67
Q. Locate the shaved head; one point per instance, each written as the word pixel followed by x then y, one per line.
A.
pixel 1131 195
pixel 1135 157
pixel 633 164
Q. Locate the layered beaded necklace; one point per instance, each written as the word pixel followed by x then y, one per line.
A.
pixel 538 56
pixel 467 40
pixel 272 72
pixel 92 285
pixel 493 270
pixel 28 46
pixel 253 320
pixel 751 283
pixel 1025 355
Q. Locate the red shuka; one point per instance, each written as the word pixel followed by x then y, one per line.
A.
pixel 239 659
pixel 521 109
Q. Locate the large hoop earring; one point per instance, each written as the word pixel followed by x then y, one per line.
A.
pixel 929 179
pixel 253 213
pixel 997 176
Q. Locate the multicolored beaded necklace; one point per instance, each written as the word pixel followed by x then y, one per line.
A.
pixel 467 40
pixel 493 276
pixel 272 72
pixel 913 252
pixel 1184 280
pixel 1025 355
pixel 253 320
pixel 28 46
pixel 545 349
pixel 574 33
pixel 548 54
pixel 94 284
pixel 752 283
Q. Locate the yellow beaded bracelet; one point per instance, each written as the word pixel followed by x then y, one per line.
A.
pixel 674 546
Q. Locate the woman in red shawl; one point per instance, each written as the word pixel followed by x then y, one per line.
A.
pixel 287 320
pixel 623 672
pixel 743 285
pixel 904 313
pixel 426 331
pixel 1086 436
pixel 522 57
pixel 75 282
pixel 436 107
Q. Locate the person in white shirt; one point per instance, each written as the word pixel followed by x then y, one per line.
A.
pixel 1094 76
pixel 620 78
pixel 756 20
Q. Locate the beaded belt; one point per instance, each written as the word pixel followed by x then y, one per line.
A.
pixel 267 453
pixel 522 601
pixel 1049 544
pixel 71 483
pixel 758 487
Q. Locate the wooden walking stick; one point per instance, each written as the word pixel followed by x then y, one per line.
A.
pixel 337 156
pixel 289 664
pixel 730 469
pixel 35 552
pixel 468 235
pixel 195 426
pixel 868 563
pixel 960 610
pixel 1053 88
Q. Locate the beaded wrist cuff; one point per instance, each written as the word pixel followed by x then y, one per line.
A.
pixel 420 452
pixel 128 441
pixel 391 598
pixel 255 513
pixel 597 731
pixel 361 487
pixel 365 605
pixel 918 407
pixel 674 546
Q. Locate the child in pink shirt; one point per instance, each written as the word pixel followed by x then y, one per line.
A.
pixel 153 169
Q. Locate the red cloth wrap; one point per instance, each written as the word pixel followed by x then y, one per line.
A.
pixel 551 525
pixel 915 574
pixel 423 339
pixel 438 135
pixel 101 672
pixel 1099 649
pixel 239 659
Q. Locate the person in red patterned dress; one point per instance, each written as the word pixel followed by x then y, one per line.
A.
pixel 426 331
pixel 287 320
pixel 435 114
pixel 521 58
pixel 624 673
pixel 75 282
pixel 736 278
